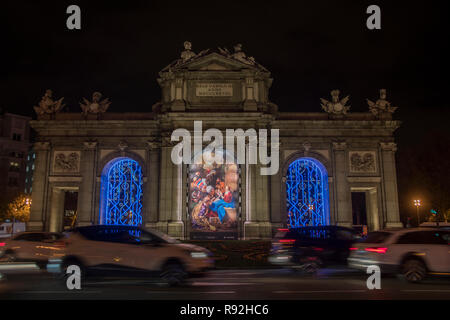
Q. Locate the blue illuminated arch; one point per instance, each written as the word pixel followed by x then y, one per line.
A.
pixel 307 193
pixel 121 193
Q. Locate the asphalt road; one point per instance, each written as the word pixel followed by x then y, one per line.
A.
pixel 267 284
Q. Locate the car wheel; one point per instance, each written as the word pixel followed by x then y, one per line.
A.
pixel 414 270
pixel 173 274
pixel 8 257
pixel 311 268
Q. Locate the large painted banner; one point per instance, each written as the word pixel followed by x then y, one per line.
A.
pixel 214 201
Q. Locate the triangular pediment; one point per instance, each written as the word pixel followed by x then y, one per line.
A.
pixel 213 61
pixel 214 66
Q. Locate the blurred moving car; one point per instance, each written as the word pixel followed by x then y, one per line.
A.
pixel 413 253
pixel 125 248
pixel 309 248
pixel 31 247
pixel 9 229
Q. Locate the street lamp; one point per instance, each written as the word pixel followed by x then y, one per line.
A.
pixel 417 203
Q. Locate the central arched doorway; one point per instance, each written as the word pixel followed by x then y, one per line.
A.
pixel 121 193
pixel 307 193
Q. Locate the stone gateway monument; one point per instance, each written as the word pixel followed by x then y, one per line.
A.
pixel 118 166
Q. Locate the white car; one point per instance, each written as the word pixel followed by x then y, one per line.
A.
pixel 413 253
pixel 109 248
pixel 35 247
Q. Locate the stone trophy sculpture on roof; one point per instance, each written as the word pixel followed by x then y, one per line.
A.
pixel 96 106
pixel 335 108
pixel 382 108
pixel 48 106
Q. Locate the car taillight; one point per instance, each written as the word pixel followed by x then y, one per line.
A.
pixel 283 230
pixel 2 244
pixel 60 244
pixel 287 241
pixel 377 249
pixel 352 249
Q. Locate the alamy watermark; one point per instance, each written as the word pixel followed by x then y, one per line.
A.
pixel 241 153
pixel 73 281
pixel 374 280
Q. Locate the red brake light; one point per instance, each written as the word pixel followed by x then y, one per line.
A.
pixel 377 249
pixel 2 244
pixel 352 249
pixel 287 240
pixel 60 244
pixel 283 230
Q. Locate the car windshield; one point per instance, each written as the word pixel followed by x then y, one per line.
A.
pixel 376 237
pixel 164 237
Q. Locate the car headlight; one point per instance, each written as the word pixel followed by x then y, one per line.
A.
pixel 199 255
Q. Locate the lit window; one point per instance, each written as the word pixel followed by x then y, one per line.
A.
pixel 307 193
pixel 122 182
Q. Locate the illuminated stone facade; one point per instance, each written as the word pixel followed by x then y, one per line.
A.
pixel 224 90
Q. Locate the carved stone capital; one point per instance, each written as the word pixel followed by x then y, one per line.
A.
pixel 153 145
pixel 167 142
pixel 90 144
pixel 41 146
pixel 339 145
pixel 123 145
pixel 306 146
pixel 388 146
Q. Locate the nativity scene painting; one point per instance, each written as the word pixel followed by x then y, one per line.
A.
pixel 214 198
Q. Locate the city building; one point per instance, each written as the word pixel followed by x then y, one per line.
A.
pixel 119 169
pixel 14 146
pixel 29 170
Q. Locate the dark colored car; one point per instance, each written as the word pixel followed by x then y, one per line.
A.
pixel 312 246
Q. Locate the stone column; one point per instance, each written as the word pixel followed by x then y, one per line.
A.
pixel 56 210
pixel 263 204
pixel 250 225
pixel 342 189
pixel 40 181
pixel 170 180
pixel 165 184
pixel 374 217
pixel 176 225
pixel 257 224
pixel 390 184
pixel 86 194
pixel 278 217
pixel 151 197
pixel 250 102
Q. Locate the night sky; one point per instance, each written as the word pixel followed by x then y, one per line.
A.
pixel 310 47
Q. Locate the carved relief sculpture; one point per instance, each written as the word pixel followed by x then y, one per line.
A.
pixel 381 108
pixel 66 162
pixel 335 107
pixel 362 162
pixel 47 105
pixel 96 106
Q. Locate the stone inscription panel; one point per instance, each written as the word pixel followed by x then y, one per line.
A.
pixel 209 89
